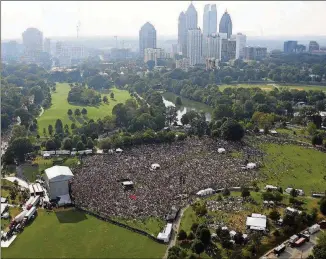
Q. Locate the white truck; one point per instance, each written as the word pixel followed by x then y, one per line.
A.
pixel 30 213
pixel 313 229
pixel 20 216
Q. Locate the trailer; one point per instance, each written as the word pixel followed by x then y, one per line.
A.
pixel 35 201
pixel 30 213
pixel 300 242
pixel 31 189
pixel 20 216
pixel 313 229
pixel 278 250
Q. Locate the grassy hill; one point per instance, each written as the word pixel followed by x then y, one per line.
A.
pixel 60 106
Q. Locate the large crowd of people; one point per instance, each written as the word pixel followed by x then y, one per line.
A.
pixel 185 168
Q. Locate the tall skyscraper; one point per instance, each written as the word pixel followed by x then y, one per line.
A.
pixel 182 34
pixel 47 45
pixel 241 41
pixel 33 44
pixel 209 20
pixel 194 46
pixel 147 38
pixel 191 17
pixel 226 24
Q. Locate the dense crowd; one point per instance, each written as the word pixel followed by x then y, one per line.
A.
pixel 185 168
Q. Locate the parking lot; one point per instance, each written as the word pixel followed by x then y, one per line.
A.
pixel 298 252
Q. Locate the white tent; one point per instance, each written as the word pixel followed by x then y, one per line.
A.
pixel 56 180
pixel 256 222
pixel 118 150
pixel 166 234
pixel 221 150
pixel 46 155
pixel 155 166
pixel 204 192
pixel 251 165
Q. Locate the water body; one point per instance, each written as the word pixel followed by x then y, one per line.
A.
pixel 187 105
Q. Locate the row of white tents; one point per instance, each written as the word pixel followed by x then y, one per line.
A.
pixel 48 153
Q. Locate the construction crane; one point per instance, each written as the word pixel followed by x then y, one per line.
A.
pixel 78 28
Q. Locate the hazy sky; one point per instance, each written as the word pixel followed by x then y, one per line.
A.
pixel 125 18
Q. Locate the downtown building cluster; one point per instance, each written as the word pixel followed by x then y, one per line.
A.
pixel 197 46
pixel 37 49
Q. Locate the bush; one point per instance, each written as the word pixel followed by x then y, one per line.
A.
pixel 317 140
pixel 182 235
pixel 226 192
pixel 191 236
pixel 323 206
pixel 232 130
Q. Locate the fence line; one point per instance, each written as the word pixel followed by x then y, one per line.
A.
pixel 108 219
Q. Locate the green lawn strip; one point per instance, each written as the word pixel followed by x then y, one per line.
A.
pixel 60 106
pixel 270 86
pixel 299 136
pixel 151 225
pixel 290 165
pixel 73 234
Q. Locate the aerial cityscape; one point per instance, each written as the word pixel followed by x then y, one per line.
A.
pixel 195 130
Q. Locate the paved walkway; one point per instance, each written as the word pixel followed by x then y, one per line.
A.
pixel 175 232
pixel 21 182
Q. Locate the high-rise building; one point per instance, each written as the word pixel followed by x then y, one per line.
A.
pixel 212 46
pixel 226 24
pixel 9 51
pixel 182 34
pixel 194 46
pixel 33 44
pixel 209 24
pixel 241 41
pixel 147 38
pixel 290 46
pixel 255 53
pixel 153 54
pixel 191 17
pixel 228 50
pixel 313 46
pixel 47 45
pixel 68 54
pixel 209 20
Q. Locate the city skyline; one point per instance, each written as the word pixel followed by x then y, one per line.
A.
pixel 104 18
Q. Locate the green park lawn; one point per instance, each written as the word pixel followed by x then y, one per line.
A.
pixel 73 234
pixel 269 87
pixel 60 106
pixel 290 165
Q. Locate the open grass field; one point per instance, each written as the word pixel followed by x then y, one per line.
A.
pixel 269 87
pixel 150 225
pixel 73 234
pixel 60 106
pixel 290 165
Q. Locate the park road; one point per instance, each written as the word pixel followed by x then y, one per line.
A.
pixel 176 226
